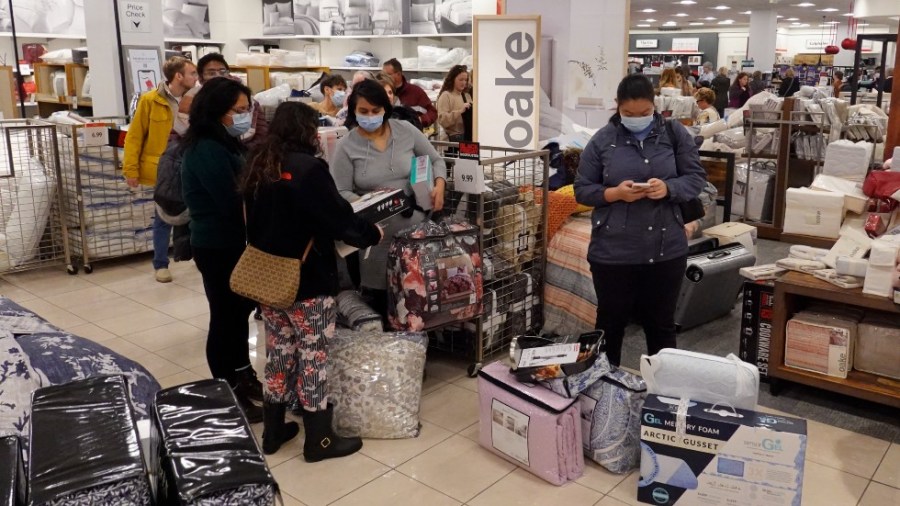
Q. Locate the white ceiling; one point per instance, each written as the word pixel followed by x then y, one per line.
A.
pixel 700 11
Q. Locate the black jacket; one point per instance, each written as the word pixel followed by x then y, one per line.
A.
pixel 789 86
pixel 720 85
pixel 304 204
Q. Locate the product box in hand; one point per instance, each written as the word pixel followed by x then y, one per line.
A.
pixel 714 455
pixel 421 181
pixel 375 207
pixel 756 325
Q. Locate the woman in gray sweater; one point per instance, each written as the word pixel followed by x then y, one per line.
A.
pixel 379 154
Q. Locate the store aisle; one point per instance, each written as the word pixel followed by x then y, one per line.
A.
pixel 163 328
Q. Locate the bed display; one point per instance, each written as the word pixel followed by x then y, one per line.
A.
pixel 570 303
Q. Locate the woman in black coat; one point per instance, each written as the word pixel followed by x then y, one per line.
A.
pixel 720 85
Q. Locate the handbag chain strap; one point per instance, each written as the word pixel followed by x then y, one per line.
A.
pixel 309 245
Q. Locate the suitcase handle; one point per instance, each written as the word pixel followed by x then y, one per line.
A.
pixel 718 254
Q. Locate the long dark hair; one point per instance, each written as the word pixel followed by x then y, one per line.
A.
pixel 736 85
pixel 214 100
pixel 293 129
pixel 374 93
pixel 449 81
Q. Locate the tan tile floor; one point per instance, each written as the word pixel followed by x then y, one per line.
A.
pixel 164 327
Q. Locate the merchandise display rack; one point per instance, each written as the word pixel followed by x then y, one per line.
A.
pixel 47 98
pixel 23 143
pixel 791 171
pixel 259 77
pixel 794 291
pixel 106 218
pixel 512 223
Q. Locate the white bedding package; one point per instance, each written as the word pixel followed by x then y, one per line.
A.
pixel 855 200
pixel 813 212
pixel 29 214
pixel 848 159
pixel 701 377
pixel 883 259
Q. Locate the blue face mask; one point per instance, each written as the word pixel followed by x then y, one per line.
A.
pixel 242 124
pixel 638 123
pixel 338 98
pixel 370 123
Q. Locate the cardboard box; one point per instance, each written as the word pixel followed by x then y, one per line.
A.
pixel 720 457
pixel 822 344
pixel 878 346
pixel 375 207
pixel 733 232
pixel 756 325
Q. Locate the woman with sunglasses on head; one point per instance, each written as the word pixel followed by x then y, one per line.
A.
pixel 294 210
pixel 454 106
pixel 379 154
pixel 212 159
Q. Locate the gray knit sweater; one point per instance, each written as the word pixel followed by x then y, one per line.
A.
pixel 358 168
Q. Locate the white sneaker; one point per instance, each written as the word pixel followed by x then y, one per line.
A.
pixel 163 275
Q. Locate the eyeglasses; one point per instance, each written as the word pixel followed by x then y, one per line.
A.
pixel 236 111
pixel 216 73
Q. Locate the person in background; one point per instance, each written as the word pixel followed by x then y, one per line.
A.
pixel 706 99
pixel 739 92
pixel 683 81
pixel 389 88
pixel 757 84
pixel 720 85
pixel 360 76
pixel 211 66
pixel 454 106
pixel 707 76
pixel 669 79
pixel 379 154
pixel 213 157
pixel 334 90
pixel 837 83
pixel 293 206
pixel 410 95
pixel 789 84
pixel 888 84
pixel 634 172
pixel 146 141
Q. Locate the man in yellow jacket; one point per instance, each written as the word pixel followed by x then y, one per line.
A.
pixel 148 135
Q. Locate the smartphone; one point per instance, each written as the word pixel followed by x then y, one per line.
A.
pixel 641 185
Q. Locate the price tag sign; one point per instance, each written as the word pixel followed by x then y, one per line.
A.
pixel 96 135
pixel 469 177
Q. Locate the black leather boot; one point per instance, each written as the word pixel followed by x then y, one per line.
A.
pixel 248 385
pixel 275 431
pixel 253 412
pixel 321 442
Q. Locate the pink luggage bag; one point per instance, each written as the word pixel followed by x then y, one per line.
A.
pixel 530 426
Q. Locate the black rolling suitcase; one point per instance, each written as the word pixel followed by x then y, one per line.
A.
pixel 711 284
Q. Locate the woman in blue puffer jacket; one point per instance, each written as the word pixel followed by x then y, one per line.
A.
pixel 635 172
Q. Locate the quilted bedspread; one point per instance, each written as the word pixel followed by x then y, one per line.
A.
pixel 570 304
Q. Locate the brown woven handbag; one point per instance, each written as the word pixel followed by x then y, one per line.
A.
pixel 269 279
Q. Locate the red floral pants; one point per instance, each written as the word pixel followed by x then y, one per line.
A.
pixel 296 352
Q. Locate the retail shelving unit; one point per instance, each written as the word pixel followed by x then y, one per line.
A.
pixel 48 96
pixel 8 104
pixel 793 292
pixel 259 78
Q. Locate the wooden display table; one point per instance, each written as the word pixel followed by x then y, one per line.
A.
pixel 792 292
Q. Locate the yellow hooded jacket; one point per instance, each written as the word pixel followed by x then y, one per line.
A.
pixel 148 135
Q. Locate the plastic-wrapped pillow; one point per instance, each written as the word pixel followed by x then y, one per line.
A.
pixel 701 377
pixel 274 96
pixel 30 213
pixel 453 57
pixel 429 56
pixel 375 383
pixel 354 313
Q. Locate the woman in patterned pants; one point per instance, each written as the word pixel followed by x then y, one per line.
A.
pixel 294 210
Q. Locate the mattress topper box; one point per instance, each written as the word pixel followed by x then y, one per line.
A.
pixel 698 453
pixel 733 232
pixel 877 349
pixel 820 343
pixel 813 212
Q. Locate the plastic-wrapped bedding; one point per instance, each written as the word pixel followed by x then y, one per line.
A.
pixel 570 303
pixel 12 472
pixel 208 456
pixel 701 377
pixel 354 313
pixel 84 447
pixel 375 383
pixel 30 213
pixel 17 383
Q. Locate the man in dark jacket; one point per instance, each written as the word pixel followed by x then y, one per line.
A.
pixel 411 95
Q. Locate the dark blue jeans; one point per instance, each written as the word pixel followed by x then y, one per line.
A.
pixel 162 231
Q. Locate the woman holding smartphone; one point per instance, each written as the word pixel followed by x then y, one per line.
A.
pixel 635 172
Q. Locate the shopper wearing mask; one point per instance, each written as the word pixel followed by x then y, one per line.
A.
pixel 293 204
pixel 379 154
pixel 739 92
pixel 334 90
pixel 454 105
pixel 720 84
pixel 211 163
pixel 146 140
pixel 410 95
pixel 634 172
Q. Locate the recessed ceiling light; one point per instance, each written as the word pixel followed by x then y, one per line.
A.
pixel 687 2
pixel 670 23
pixel 726 22
pixel 709 18
pixel 804 25
pixel 747 12
pixel 721 7
pixel 793 19
pixel 828 9
pixel 795 23
pixel 847 14
pixel 697 23
pixel 650 20
pixel 832 22
pixel 649 10
pixel 805 4
pixel 863 24
pixel 680 15
pixel 643 26
pixel 779 16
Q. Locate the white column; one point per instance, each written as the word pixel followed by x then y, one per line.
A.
pixel 763 34
pixel 103 50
